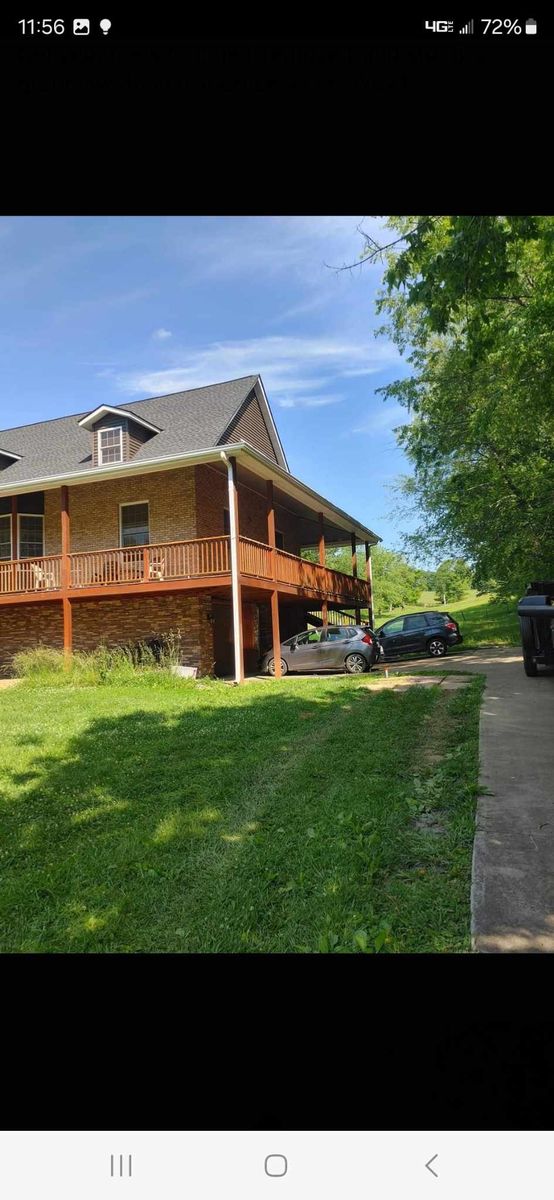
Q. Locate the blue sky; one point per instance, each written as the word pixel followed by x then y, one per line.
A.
pixel 111 309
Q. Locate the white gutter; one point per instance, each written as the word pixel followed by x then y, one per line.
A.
pixel 237 631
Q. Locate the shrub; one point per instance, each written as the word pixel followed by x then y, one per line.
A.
pixel 107 664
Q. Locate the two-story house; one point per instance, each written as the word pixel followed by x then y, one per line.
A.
pixel 177 512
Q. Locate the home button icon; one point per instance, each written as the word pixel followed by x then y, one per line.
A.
pixel 276 1165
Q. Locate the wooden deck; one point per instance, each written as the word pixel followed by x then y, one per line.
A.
pixel 173 566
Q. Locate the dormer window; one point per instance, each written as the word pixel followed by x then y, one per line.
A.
pixel 110 445
pixel 116 434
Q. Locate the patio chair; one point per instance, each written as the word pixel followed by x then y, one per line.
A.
pixel 156 568
pixel 42 577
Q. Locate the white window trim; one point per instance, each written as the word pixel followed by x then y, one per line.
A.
pixel 35 515
pixel 8 517
pixel 109 429
pixel 131 504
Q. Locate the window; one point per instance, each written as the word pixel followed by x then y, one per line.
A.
pixel 31 536
pixel 226 521
pixel 311 637
pixel 395 626
pixel 6 537
pixel 279 539
pixel 110 445
pixel 135 525
pixel 337 633
pixel 416 621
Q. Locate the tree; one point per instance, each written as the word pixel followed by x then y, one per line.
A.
pixel 452 580
pixel 470 300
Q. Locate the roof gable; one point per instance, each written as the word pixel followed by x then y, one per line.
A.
pixel 186 421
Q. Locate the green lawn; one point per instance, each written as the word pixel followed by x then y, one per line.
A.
pixel 301 815
pixel 482 621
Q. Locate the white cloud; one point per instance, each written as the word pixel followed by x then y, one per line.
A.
pixel 296 246
pixel 162 334
pixel 309 401
pixel 291 367
pixel 388 418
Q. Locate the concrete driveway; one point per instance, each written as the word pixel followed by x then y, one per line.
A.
pixel 513 860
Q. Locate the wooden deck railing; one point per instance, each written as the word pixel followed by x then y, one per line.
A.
pixel 166 561
pixel 31 574
pixel 140 564
pixel 255 558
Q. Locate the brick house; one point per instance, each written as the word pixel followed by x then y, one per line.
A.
pixel 177 512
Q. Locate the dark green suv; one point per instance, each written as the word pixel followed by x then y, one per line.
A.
pixel 419 633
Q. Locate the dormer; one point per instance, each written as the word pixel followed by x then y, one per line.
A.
pixel 7 459
pixel 117 435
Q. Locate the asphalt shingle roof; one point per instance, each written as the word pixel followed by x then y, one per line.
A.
pixel 188 421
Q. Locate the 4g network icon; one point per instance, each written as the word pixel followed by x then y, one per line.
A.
pixel 439 26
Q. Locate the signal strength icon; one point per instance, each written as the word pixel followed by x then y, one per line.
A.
pixel 469 28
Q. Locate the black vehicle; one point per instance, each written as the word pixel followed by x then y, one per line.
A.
pixel 536 622
pixel 425 632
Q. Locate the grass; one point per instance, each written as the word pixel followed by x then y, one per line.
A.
pixel 302 816
pixel 482 621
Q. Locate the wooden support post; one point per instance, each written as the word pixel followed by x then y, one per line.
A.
pixel 357 613
pixel 67 630
pixel 275 632
pixel 322 563
pixel 238 637
pixel 66 576
pixel 370 613
pixel 15 549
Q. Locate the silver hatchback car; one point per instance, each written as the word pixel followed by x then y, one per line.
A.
pixel 352 648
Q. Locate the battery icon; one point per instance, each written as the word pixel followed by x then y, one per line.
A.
pixel 530 26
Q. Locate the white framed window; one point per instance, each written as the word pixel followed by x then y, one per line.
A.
pixel 110 445
pixel 30 535
pixel 5 536
pixel 134 524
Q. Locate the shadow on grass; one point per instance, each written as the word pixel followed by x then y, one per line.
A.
pixel 193 828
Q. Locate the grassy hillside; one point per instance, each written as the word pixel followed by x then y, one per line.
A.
pixel 482 621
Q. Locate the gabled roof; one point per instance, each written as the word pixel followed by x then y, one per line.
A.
pixel 187 421
pixel 103 410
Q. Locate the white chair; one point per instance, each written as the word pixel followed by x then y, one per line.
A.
pixel 156 568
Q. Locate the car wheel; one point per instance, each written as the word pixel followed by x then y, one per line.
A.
pixel 436 647
pixel 529 665
pixel 528 643
pixel 355 664
pixel 271 667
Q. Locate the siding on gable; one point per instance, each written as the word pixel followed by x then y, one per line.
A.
pixel 249 425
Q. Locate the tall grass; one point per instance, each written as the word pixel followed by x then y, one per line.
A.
pixel 44 666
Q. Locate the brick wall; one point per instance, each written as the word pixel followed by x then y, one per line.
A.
pixel 94 510
pixel 112 622
pixel 24 626
pixel 117 621
pixel 212 498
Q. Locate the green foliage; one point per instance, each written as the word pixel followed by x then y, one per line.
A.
pixel 452 580
pixel 45 666
pixel 471 301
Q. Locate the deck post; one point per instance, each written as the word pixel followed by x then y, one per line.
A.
pixel 321 547
pixel 368 573
pixel 355 574
pixel 236 589
pixel 15 548
pixel 275 633
pixel 66 576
